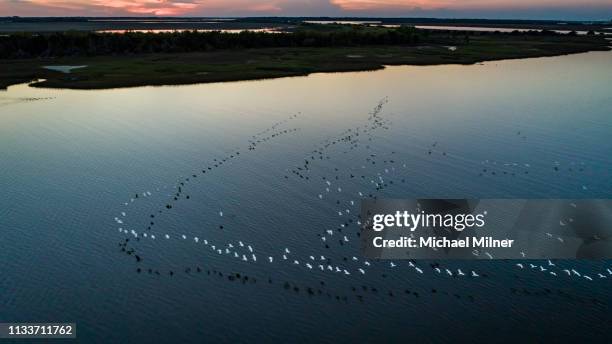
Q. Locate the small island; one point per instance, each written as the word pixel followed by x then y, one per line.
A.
pixel 136 58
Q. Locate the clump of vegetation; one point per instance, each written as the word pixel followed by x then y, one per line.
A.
pixel 59 44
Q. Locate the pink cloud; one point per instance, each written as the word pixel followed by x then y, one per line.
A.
pixel 149 7
pixel 600 8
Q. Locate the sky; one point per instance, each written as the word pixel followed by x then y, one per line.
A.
pixel 501 9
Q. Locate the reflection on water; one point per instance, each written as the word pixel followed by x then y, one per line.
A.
pixel 492 29
pixel 72 160
pixel 348 22
pixel 267 30
pixel 166 21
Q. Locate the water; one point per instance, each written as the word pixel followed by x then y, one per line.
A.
pixel 493 29
pixel 267 30
pixel 71 159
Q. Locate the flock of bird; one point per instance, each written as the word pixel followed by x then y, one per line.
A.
pixel 16 100
pixel 341 189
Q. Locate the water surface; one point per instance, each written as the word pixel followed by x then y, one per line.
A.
pixel 71 160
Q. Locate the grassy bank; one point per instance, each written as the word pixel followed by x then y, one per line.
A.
pixel 247 64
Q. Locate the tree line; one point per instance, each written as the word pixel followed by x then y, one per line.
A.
pixel 58 44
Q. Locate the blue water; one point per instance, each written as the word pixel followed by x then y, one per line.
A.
pixel 71 160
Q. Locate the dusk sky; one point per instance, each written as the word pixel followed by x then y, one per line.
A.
pixel 527 9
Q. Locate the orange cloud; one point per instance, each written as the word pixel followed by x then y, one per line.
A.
pixel 151 7
pixel 596 8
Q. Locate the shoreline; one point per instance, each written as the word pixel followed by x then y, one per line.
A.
pixel 107 72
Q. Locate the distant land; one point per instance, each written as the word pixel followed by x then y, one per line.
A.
pixel 125 52
pixel 45 24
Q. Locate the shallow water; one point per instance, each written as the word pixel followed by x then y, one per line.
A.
pixel 266 29
pixel 71 159
pixel 492 29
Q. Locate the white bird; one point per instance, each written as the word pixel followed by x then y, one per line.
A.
pixel 460 273
pixel 312 258
pixel 250 249
pixel 320 196
pixel 346 239
pixel 438 270
pixel 240 243
pixel 609 271
pixel 355 259
pixel 519 265
pixel 152 236
pixel 205 242
pixel 553 273
pixel 323 238
pixel 418 270
pixel 271 259
pixel 236 254
pixel 346 272
pixel 550 263
pixel 587 277
pixel 230 245
pixel 123 213
pixel 321 267
pixel 184 237
pixel 220 213
pixel 474 274
pixel 287 251
pixel 308 266
pixel 575 272
pixel 196 239
pixel 392 264
pixel 601 276
pixel 450 273
pixel 167 236
pixel 284 257
pixel 542 269
pixel 296 262
pixel 254 258
pixel 366 263
pixel 244 258
pixel 567 272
